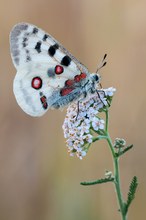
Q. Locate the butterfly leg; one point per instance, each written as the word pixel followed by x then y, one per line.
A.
pixel 98 93
pixel 78 109
pixel 78 104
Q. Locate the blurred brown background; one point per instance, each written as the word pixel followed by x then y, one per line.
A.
pixel 38 179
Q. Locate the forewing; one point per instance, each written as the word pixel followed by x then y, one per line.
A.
pixel 29 43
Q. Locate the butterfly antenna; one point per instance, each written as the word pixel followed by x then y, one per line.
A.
pixel 102 63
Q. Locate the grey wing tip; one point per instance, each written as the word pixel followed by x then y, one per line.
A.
pixel 14 47
pixel 17 29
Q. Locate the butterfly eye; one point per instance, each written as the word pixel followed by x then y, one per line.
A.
pixel 96 77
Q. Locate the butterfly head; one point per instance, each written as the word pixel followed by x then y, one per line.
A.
pixel 95 77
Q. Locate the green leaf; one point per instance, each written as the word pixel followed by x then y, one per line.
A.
pixel 125 150
pixel 99 181
pixel 131 193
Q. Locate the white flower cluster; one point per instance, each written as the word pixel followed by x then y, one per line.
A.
pixel 81 121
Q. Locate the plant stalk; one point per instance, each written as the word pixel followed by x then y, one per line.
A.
pixel 116 171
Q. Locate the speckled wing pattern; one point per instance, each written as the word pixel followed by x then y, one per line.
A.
pixel 48 76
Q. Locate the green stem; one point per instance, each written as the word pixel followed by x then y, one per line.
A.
pixel 116 171
pixel 117 180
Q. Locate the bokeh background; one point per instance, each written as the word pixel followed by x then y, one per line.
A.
pixel 38 179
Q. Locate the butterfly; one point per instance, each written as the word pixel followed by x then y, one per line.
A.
pixel 48 76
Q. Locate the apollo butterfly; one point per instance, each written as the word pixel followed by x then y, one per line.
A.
pixel 48 76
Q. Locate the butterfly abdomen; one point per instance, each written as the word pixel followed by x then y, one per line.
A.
pixel 73 91
pixel 63 101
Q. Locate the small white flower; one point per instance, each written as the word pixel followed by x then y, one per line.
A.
pixel 71 154
pixel 88 138
pixel 70 143
pixel 84 129
pixel 81 154
pixel 77 144
pixel 110 91
pixel 101 124
pixel 92 112
pixel 97 123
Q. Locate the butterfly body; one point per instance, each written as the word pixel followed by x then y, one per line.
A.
pixel 48 76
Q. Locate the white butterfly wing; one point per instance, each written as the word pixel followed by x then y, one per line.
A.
pixel 43 66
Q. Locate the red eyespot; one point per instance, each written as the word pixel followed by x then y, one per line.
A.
pixel 43 99
pixel 59 69
pixel 44 102
pixel 45 105
pixel 69 82
pixel 36 83
pixel 77 78
pixel 65 91
pixel 83 75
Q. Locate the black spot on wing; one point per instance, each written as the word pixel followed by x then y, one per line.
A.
pixel 38 47
pixel 27 51
pixel 24 42
pixel 45 37
pixel 52 49
pixel 28 58
pixel 35 30
pixel 66 60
